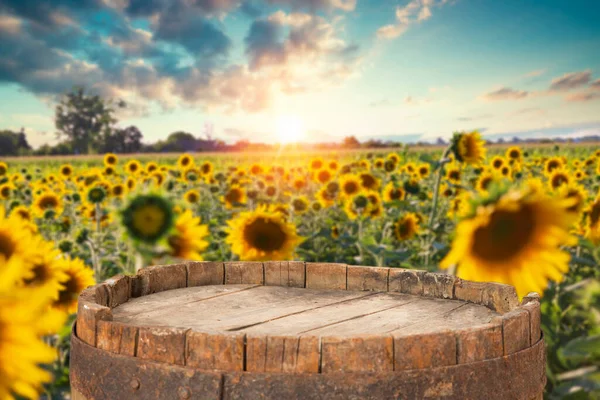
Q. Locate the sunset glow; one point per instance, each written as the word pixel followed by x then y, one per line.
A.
pixel 289 129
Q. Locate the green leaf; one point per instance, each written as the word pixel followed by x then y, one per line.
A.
pixel 582 349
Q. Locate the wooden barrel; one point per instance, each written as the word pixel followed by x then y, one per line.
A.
pixel 295 330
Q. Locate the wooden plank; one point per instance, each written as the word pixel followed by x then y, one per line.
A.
pixel 368 278
pixel 244 272
pixel 162 344
pixel 88 315
pixel 285 273
pixel 373 353
pixel 466 314
pixel 158 279
pixel 319 320
pixel 205 273
pixel 535 330
pixel 326 276
pixel 405 311
pixel 117 338
pixel 406 281
pixel 238 310
pixel 429 350
pixel 515 331
pixel 481 343
pixel 215 351
pixel 282 354
pixel 119 287
pixel 175 298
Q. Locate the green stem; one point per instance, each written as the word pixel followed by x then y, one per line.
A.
pixel 436 189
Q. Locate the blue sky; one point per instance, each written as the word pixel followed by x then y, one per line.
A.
pixel 327 68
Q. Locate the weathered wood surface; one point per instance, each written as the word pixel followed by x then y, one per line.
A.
pixel 276 310
pixel 296 330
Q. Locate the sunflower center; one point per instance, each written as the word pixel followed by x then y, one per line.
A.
pixel 48 202
pixel 594 214
pixel 558 180
pixel 5 191
pixel 368 181
pixel 7 245
pixel 454 174
pixel 233 196
pixel 205 168
pixel 507 233
pixel 350 188
pixel 69 293
pixel 396 194
pixel 40 275
pixel 149 219
pixel 265 235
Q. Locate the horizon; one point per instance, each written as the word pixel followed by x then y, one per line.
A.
pixel 280 71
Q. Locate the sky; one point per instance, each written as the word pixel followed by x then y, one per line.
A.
pixel 315 70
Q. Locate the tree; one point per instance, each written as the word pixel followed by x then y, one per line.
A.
pixel 127 140
pixel 84 120
pixel 351 142
pixel 13 143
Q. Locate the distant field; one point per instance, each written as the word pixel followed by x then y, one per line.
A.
pixel 287 156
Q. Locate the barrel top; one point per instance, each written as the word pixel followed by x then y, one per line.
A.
pixel 298 317
pixel 276 310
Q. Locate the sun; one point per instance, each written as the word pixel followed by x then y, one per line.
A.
pixel 289 129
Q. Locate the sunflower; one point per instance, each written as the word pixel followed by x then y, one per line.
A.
pixel 364 164
pixel 558 177
pixel 299 183
pixel 406 227
pixel 350 185
pixel 23 322
pixel 514 153
pixel 6 190
pixel 78 278
pixel 333 165
pixel 117 190
pixel 185 161
pixel 235 197
pixel 17 245
pixel 66 170
pixel 484 181
pixel 379 162
pixel 579 174
pixel 158 178
pixel 22 212
pixel 423 170
pixel 188 240
pixel 300 205
pixel 262 234
pixel 577 192
pixel 206 168
pixel 47 201
pixel 316 164
pixel 148 217
pixel 326 198
pixel 368 181
pixel 592 223
pixel 151 167
pixel 468 147
pixel 46 268
pixel 130 183
pixel 110 159
pixel 410 168
pixel 394 157
pixel 453 174
pixel 255 169
pixel 3 168
pixel 513 239
pixel 552 164
pixel 192 196
pixel 133 167
pixel 393 193
pixel 96 194
pixel 323 175
pixel 497 163
pixel 271 191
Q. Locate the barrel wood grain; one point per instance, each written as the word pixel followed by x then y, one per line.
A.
pixel 305 318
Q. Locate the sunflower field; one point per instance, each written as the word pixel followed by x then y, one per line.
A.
pixel 525 216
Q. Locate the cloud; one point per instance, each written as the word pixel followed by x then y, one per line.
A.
pixel 595 85
pixel 529 110
pixel 474 118
pixel 181 57
pixel 505 93
pixel 582 97
pixel 412 101
pixel 571 81
pixel 535 73
pixel 314 5
pixel 414 12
